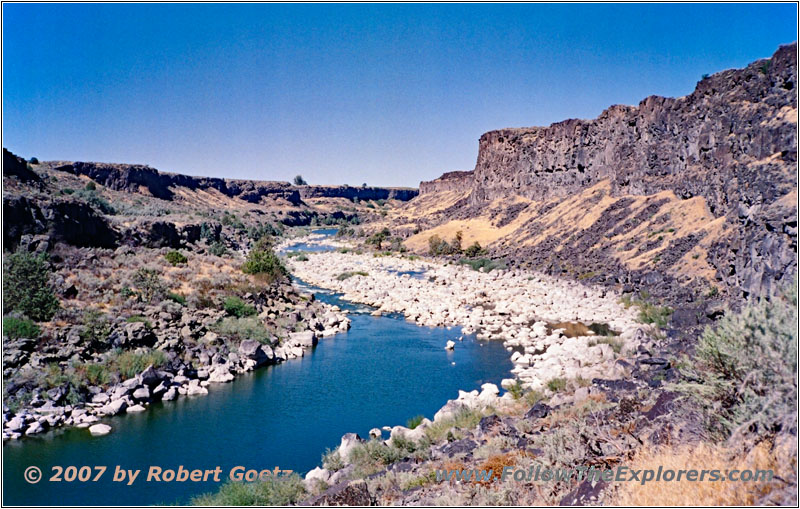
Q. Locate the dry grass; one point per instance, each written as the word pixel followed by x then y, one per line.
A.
pixel 706 493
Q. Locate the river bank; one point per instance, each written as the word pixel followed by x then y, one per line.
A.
pixel 545 322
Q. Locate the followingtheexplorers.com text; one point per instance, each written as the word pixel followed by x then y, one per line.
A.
pixel 593 474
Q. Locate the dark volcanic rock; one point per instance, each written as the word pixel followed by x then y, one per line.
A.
pixel 345 493
pixel 14 166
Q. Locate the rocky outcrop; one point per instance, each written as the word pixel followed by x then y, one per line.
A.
pixel 732 142
pixel 14 166
pixel 67 221
pixel 360 193
pixel 451 181
pixel 132 177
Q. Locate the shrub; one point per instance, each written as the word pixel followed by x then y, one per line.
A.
pixel 149 283
pixel 281 491
pixel 97 374
pixel 242 328
pixel 264 263
pixel 437 246
pixel 139 318
pixel 745 367
pixel 414 421
pixel 474 250
pixel 557 384
pixel 486 264
pixel 26 286
pixel 176 297
pixel 91 186
pixel 378 238
pixel 346 275
pixel 300 181
pixel 237 307
pixel 516 390
pixel 217 249
pixel 95 329
pixel 15 328
pixel 176 257
pixel 92 199
pixel 33 160
pixel 131 363
pixel 332 461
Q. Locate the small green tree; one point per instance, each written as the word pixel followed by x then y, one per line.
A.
pixel 26 286
pixel 149 283
pixel 300 181
pixel 264 263
pixel 176 257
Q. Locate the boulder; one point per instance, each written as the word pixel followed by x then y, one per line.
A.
pixel 100 429
pixel 349 442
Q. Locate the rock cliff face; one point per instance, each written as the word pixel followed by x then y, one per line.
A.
pixel 732 143
pixel 131 177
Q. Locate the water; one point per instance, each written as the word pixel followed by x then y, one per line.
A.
pixel 382 372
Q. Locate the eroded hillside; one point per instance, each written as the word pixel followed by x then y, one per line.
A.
pixel 695 193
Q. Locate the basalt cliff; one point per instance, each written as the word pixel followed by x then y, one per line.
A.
pixel 684 196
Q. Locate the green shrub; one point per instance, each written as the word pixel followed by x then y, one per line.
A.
pixel 176 297
pixel 131 363
pixel 332 461
pixel 176 258
pixel 346 275
pixel 98 374
pixel 139 318
pixel 242 328
pixel 746 369
pixel 95 328
pixel 15 328
pixel 217 249
pixel 237 307
pixel 94 200
pixel 282 491
pixel 414 421
pixel 378 238
pixel 299 181
pixel 91 186
pixel 516 390
pixel 486 264
pixel 557 384
pixel 437 246
pixel 474 250
pixel 26 286
pixel 149 283
pixel 264 263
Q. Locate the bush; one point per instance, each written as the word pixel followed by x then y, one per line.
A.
pixel 217 249
pixel 414 421
pixel 346 275
pixel 92 199
pixel 91 186
pixel 176 257
pixel 437 246
pixel 474 250
pixel 745 367
pixel 242 328
pixel 557 384
pixel 282 491
pixel 516 390
pixel 176 297
pixel 15 328
pixel 33 160
pixel 149 283
pixel 300 181
pixel 486 264
pixel 264 263
pixel 378 238
pixel 237 307
pixel 131 363
pixel 139 318
pixel 332 461
pixel 95 329
pixel 26 286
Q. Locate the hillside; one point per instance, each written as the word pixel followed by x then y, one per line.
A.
pixel 683 196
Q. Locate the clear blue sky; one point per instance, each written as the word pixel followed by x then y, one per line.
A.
pixel 383 94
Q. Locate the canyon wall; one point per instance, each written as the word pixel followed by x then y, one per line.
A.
pixel 732 142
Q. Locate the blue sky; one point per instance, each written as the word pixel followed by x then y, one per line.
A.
pixel 383 94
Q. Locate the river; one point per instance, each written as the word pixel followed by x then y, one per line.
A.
pixel 383 371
